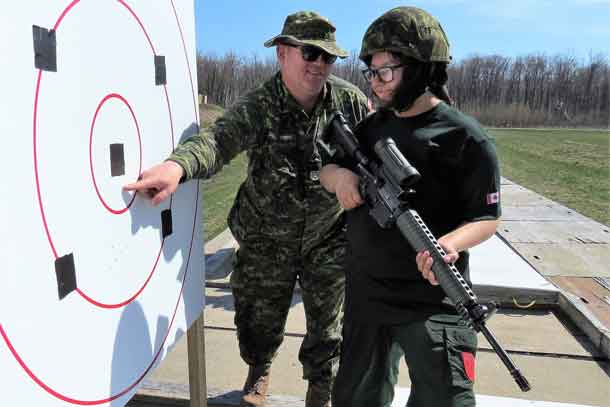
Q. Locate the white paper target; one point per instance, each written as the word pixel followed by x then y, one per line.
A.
pixel 94 92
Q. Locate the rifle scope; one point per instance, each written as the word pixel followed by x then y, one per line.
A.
pixel 395 163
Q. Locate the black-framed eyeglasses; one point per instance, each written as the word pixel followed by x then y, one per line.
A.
pixel 385 73
pixel 311 53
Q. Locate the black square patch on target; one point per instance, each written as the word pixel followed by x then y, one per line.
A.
pixel 66 275
pixel 45 49
pixel 160 71
pixel 117 160
pixel 166 223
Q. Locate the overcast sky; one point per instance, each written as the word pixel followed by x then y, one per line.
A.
pixel 506 27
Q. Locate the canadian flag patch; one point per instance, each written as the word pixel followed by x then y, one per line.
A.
pixel 493 198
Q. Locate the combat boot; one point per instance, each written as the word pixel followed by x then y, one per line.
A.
pixel 255 388
pixel 318 394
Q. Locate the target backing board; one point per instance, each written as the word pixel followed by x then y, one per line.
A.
pixel 96 284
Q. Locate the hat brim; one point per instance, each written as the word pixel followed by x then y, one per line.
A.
pixel 328 46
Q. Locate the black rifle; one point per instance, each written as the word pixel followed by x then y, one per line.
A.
pixel 384 188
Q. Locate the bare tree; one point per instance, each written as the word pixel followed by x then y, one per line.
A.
pixel 530 90
pixel 533 90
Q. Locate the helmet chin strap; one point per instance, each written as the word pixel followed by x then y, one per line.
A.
pixel 414 83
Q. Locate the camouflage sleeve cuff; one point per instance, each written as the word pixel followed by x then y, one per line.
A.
pixel 197 156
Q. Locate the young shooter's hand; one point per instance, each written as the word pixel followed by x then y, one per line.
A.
pixel 158 182
pixel 424 261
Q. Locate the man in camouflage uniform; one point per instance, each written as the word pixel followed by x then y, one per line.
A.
pixel 288 227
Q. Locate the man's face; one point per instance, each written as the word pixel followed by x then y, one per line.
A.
pixel 303 79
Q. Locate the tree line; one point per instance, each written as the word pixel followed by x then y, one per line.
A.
pixel 525 91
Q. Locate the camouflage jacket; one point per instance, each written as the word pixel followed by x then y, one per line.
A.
pixel 281 198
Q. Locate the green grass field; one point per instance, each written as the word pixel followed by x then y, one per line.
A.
pixel 566 165
pixel 219 193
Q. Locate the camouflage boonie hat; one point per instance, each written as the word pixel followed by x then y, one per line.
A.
pixel 409 31
pixel 309 28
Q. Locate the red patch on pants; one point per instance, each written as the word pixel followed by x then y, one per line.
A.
pixel 468 359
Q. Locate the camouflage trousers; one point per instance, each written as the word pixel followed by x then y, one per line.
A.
pixel 263 280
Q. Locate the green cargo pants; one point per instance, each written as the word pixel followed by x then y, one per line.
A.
pixel 439 353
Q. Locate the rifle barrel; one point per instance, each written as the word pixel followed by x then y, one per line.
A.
pixel 514 371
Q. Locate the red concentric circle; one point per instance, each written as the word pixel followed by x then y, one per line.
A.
pixel 81 292
pixel 133 115
pixel 3 332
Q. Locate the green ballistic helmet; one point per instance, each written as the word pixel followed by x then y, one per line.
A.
pixel 409 31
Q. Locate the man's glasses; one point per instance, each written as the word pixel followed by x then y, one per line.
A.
pixel 385 74
pixel 311 53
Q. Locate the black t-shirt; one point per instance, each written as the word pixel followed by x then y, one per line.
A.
pixel 460 183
